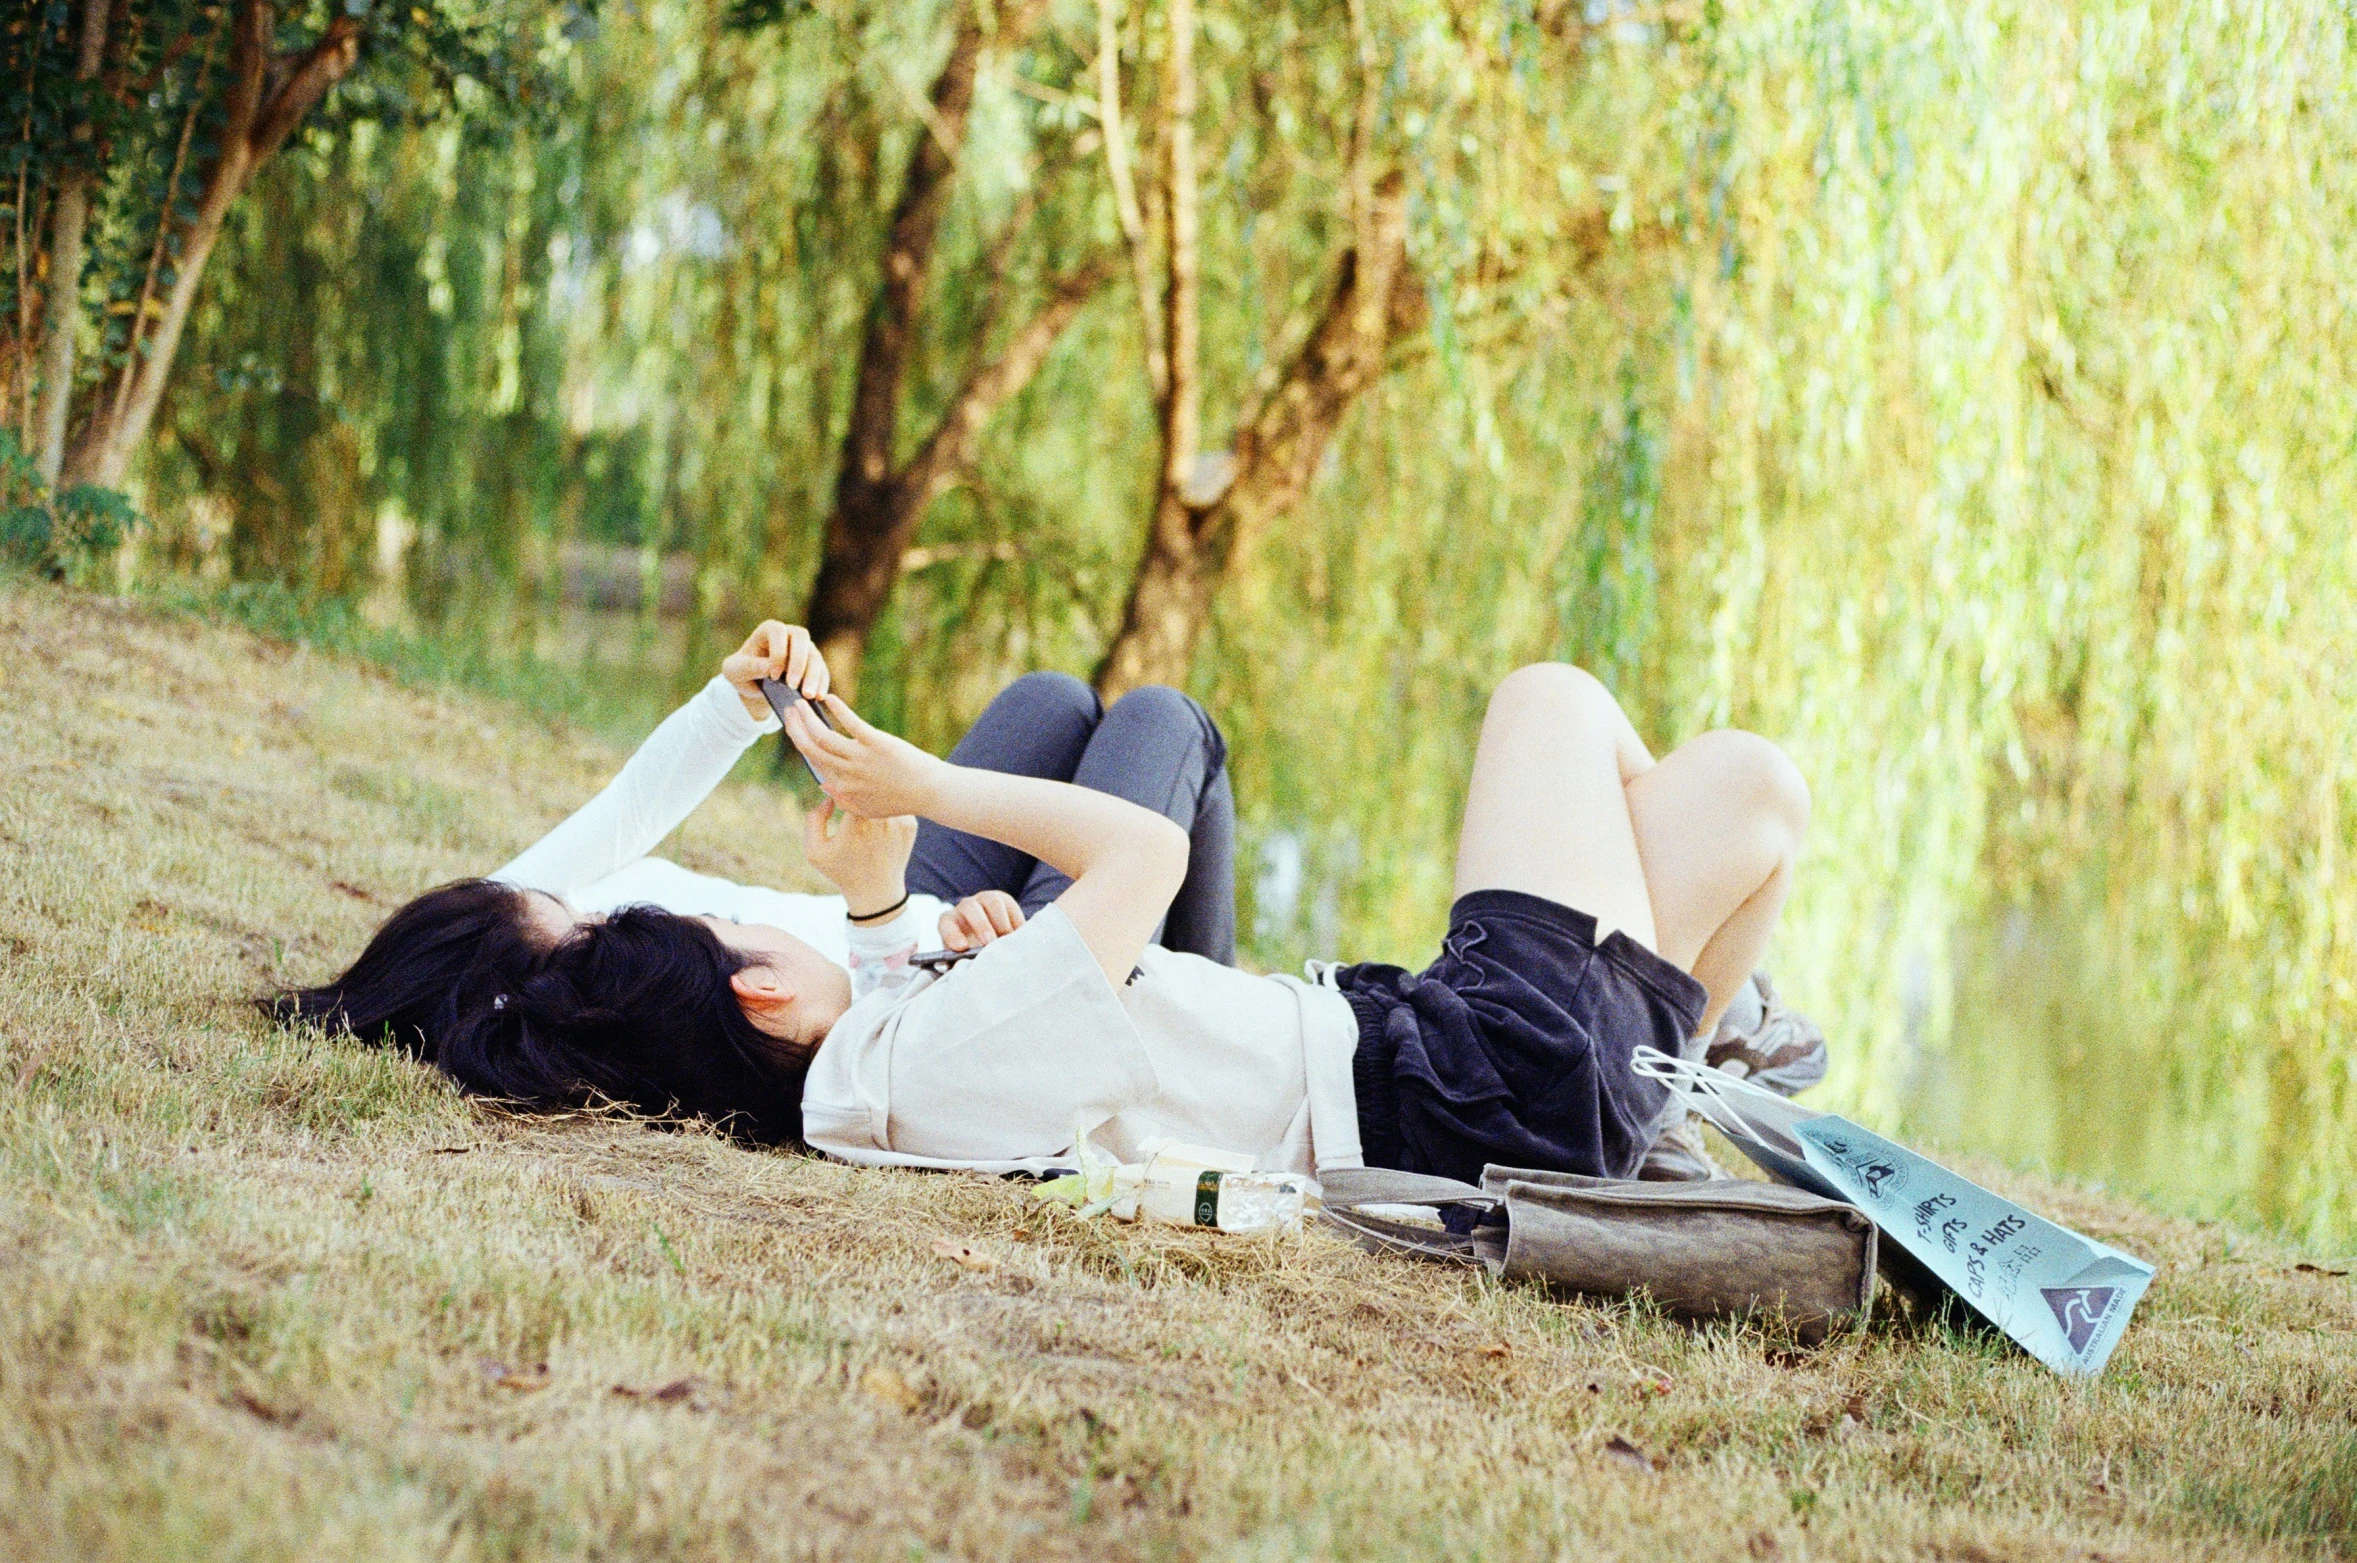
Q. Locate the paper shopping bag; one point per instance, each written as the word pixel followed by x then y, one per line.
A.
pixel 2064 1298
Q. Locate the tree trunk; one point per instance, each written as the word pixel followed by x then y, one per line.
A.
pixel 62 308
pixel 870 520
pixel 268 97
pixel 948 451
pixel 1169 599
pixel 1197 535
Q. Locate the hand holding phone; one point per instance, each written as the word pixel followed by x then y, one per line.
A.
pixel 781 698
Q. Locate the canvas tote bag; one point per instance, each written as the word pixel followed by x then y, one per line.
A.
pixel 2063 1296
pixel 1701 1250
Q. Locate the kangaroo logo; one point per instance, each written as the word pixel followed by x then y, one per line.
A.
pixel 1875 1174
pixel 1878 1177
pixel 2080 1310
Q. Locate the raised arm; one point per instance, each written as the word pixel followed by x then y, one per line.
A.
pixel 674 770
pixel 1126 862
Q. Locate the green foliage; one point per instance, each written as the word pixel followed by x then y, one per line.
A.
pixel 61 535
pixel 151 131
pixel 1959 395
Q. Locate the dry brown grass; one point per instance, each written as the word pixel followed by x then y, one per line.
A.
pixel 272 1297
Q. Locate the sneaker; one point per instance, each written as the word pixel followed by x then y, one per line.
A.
pixel 1762 1041
pixel 1679 1156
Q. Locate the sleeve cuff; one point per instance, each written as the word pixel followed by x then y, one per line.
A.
pixel 720 697
pixel 877 940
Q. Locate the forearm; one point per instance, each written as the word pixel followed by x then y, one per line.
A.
pixel 672 772
pixel 1074 830
pixel 1126 862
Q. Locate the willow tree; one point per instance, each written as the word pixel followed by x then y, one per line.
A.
pixel 138 126
pixel 882 495
pixel 1209 507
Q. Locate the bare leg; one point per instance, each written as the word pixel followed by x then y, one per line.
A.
pixel 1719 824
pixel 1547 813
pixel 1690 857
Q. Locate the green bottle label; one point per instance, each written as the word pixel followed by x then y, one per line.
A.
pixel 1207 1200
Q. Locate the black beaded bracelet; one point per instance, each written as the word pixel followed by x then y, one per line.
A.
pixel 869 917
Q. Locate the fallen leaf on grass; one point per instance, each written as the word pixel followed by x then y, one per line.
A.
pixel 1628 1454
pixel 889 1387
pixel 261 1408
pixel 500 1376
pixel 1496 1349
pixel 966 1255
pixel 670 1394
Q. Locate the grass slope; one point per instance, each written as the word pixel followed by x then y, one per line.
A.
pixel 267 1297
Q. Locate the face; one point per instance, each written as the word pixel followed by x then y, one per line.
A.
pixel 788 989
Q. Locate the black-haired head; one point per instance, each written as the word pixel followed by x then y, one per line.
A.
pixel 636 1009
pixel 446 954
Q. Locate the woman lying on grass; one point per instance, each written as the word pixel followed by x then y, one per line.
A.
pixel 587 969
pixel 1603 901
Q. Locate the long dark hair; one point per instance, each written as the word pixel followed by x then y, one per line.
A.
pixel 444 955
pixel 633 1009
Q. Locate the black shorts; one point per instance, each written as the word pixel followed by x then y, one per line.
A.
pixel 1513 1048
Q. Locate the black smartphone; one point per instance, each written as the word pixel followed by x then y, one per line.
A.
pixel 940 960
pixel 780 698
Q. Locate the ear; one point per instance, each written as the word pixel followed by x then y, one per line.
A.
pixel 763 990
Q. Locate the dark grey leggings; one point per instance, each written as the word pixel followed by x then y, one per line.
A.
pixel 1155 747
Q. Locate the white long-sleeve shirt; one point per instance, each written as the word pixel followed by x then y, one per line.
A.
pixel 597 860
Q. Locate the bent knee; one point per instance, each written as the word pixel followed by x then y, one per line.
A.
pixel 1557 686
pixel 1062 688
pixel 1045 693
pixel 1157 700
pixel 1158 706
pixel 1765 777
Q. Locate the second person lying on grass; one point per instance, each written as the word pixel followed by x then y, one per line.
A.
pixel 1603 901
pixel 588 969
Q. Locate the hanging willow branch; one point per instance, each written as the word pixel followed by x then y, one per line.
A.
pixel 268 96
pixel 163 231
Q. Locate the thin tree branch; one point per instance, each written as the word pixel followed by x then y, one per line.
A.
pixel 303 79
pixel 1362 133
pixel 1182 419
pixel 1375 301
pixel 949 450
pixel 163 229
pixel 1125 196
pixel 997 262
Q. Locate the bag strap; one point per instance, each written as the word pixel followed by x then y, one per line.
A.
pixel 1349 1191
pixel 1734 1106
pixel 1385 1186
